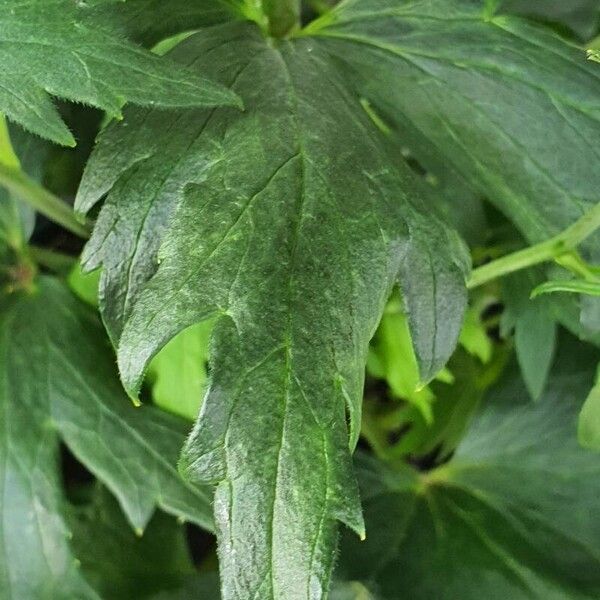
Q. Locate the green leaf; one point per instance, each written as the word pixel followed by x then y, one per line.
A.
pixel 178 373
pixel 589 419
pixel 580 16
pixel 510 105
pixel 535 330
pixel 590 288
pixel 56 47
pixel 58 381
pixel 84 285
pixel 510 516
pixel 29 153
pixel 150 21
pixel 120 564
pixel 290 222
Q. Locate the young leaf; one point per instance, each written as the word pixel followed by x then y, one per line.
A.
pixel 57 380
pixel 507 517
pixel 512 106
pixel 55 47
pixel 290 222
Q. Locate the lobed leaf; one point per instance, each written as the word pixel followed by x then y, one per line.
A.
pixel 290 223
pixel 58 381
pixel 511 106
pixel 508 517
pixel 56 47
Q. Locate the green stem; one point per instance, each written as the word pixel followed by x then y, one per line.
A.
pixel 18 183
pixel 554 248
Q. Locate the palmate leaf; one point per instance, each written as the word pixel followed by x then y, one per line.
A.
pixel 57 380
pixel 510 105
pixel 510 516
pixel 290 222
pixel 56 47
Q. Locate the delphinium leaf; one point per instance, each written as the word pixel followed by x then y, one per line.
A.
pixel 55 47
pixel 511 514
pixel 535 329
pixel 120 564
pixel 509 104
pixel 290 223
pixel 58 381
pixel 150 21
pixel 178 374
pixel 580 16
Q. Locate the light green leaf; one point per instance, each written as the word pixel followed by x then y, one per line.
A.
pixel 590 288
pixel 28 152
pixel 589 418
pixel 58 381
pixel 290 222
pixel 510 516
pixel 55 47
pixel 178 373
pixel 84 285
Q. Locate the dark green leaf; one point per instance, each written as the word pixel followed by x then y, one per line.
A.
pixel 58 378
pixel 120 564
pixel 510 105
pixel 535 329
pixel 580 16
pixel 290 222
pixel 55 47
pixel 510 516
pixel 150 21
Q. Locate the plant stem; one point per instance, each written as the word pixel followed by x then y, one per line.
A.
pixel 554 248
pixel 18 183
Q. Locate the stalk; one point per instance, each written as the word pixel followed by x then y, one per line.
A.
pixel 555 248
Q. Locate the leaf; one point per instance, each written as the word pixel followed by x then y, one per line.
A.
pixel 510 105
pixel 55 47
pixel 290 223
pixel 28 152
pixel 591 288
pixel 120 564
pixel 57 381
pixel 84 285
pixel 588 430
pixel 150 21
pixel 535 330
pixel 581 16
pixel 508 517
pixel 178 372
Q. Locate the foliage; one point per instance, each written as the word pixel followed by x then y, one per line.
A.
pixel 314 225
